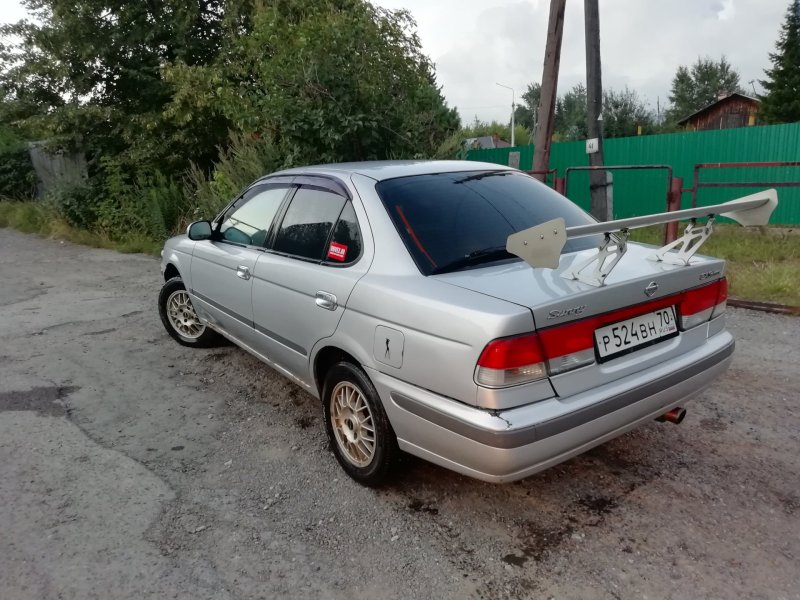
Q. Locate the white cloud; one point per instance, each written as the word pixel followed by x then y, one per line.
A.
pixel 476 43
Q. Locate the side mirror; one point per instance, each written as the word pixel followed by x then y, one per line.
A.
pixel 199 230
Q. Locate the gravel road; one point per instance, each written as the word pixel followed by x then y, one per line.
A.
pixel 131 467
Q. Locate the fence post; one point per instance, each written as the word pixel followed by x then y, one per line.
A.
pixel 673 203
pixel 561 187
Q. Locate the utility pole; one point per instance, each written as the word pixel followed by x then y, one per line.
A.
pixel 547 97
pixel 513 110
pixel 594 111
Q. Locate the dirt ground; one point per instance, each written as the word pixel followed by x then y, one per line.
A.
pixel 131 467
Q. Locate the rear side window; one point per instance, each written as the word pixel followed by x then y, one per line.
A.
pixel 446 216
pixel 308 222
pixel 345 246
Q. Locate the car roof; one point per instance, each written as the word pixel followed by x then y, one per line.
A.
pixel 390 169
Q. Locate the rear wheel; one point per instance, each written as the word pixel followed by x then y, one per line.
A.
pixel 180 319
pixel 357 426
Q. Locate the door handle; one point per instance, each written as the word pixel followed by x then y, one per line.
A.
pixel 326 301
pixel 243 272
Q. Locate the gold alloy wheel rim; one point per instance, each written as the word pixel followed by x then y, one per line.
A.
pixel 353 425
pixel 182 317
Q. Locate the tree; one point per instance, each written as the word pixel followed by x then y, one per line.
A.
pixel 330 80
pixel 159 84
pixel 700 85
pixel 570 117
pixel 91 72
pixel 624 113
pixel 781 103
pixel 525 113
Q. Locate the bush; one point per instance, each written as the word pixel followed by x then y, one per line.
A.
pixel 244 160
pixel 17 177
pixel 150 206
pixel 76 203
pixel 29 217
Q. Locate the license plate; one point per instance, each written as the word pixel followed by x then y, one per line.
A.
pixel 624 336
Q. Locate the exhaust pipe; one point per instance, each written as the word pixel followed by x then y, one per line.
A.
pixel 676 415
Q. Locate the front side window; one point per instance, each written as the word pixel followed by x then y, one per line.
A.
pixel 445 219
pixel 308 222
pixel 249 222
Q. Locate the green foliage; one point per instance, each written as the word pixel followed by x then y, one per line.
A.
pixel 76 203
pixel 478 128
pixel 149 91
pixel 29 217
pixel 570 115
pixel 328 80
pixel 90 74
pixel 17 177
pixel 624 113
pixel 525 113
pixel 762 264
pixel 701 84
pixel 243 160
pixel 41 218
pixel 781 104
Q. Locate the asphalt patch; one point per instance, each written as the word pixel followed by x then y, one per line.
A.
pixel 45 401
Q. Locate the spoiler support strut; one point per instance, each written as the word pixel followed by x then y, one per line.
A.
pixel 541 246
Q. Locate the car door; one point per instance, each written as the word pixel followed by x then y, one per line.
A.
pixel 302 283
pixel 222 267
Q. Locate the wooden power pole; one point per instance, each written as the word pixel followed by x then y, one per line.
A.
pixel 594 111
pixel 547 97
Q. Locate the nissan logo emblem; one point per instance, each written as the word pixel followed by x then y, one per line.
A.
pixel 651 289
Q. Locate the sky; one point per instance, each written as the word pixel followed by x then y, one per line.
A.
pixel 476 44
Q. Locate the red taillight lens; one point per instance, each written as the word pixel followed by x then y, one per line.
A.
pixel 570 346
pixel 511 361
pixel 698 305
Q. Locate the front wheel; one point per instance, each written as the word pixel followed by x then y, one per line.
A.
pixel 357 426
pixel 180 319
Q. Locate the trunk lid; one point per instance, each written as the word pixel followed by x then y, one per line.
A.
pixel 545 291
pixel 555 300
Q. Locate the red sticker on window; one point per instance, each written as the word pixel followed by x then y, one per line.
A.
pixel 337 251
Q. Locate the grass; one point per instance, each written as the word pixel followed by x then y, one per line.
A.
pixel 35 217
pixel 763 263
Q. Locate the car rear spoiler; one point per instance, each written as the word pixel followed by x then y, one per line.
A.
pixel 541 246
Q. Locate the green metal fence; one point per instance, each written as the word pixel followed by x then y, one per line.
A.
pixel 643 192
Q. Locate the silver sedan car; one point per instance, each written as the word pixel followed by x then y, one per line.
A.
pixel 401 295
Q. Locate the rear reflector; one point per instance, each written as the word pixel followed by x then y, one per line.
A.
pixel 524 358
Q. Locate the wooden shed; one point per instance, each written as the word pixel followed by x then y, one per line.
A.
pixel 735 110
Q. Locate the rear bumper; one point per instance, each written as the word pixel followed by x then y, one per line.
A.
pixel 511 444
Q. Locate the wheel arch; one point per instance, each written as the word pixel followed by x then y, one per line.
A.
pixel 324 359
pixel 171 271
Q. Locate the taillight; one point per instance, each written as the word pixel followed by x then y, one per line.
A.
pixel 699 305
pixel 525 358
pixel 511 361
pixel 569 346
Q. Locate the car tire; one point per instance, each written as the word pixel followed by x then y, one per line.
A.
pixel 180 319
pixel 358 429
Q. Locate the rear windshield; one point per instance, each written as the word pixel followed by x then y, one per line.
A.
pixel 445 217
